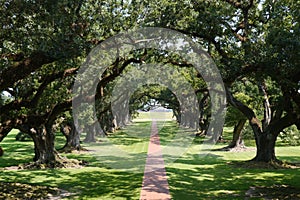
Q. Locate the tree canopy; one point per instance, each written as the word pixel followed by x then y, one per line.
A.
pixel 44 43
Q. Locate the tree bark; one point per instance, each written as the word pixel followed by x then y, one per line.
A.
pixel 203 123
pixel 1 151
pixel 5 127
pixel 90 135
pixel 265 138
pixel 43 145
pixel 72 137
pixel 237 140
pixel 265 148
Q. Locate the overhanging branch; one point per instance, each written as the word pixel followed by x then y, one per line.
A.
pixel 21 69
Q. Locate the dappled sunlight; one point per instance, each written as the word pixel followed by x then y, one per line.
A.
pixel 113 174
pixel 215 179
pixel 88 182
pixel 16 152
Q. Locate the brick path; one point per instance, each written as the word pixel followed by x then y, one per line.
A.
pixel 155 182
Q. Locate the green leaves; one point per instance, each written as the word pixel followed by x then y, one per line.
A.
pixel 263 36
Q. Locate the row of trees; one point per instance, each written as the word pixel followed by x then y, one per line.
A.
pixel 254 44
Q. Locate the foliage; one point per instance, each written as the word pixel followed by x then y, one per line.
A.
pixel 248 132
pixel 290 136
pixel 233 115
pixel 253 43
pixel 23 137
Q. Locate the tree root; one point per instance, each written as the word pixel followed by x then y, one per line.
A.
pixel 241 148
pixel 58 163
pixel 277 164
pixel 68 149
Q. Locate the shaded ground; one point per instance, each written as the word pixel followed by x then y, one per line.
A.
pixel 61 163
pixel 197 174
pixel 20 191
pixel 236 149
pixel 263 165
pixel 273 192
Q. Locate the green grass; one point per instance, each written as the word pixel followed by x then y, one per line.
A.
pixel 15 152
pixel 116 165
pixel 211 177
pixel 96 181
pixel 160 116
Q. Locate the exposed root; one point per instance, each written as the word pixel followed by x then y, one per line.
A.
pixel 264 165
pixel 71 149
pixel 59 163
pixel 200 134
pixel 235 149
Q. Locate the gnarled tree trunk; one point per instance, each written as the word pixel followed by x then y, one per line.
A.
pixel 5 128
pixel 265 143
pixel 237 140
pixel 1 151
pixel 43 145
pixel 265 134
pixel 90 135
pixel 72 137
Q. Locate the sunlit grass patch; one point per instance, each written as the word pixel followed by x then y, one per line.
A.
pixel 197 174
pixel 154 115
pixel 16 152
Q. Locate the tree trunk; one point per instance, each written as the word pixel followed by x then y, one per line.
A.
pixel 114 124
pixel 90 135
pixel 5 128
pixel 176 115
pixel 43 145
pixel 72 138
pixel 203 124
pixel 265 136
pixel 265 148
pixel 100 132
pixel 1 151
pixel 237 141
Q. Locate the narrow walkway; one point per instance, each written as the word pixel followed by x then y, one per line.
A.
pixel 155 183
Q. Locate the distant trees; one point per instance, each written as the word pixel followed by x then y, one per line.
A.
pixel 254 40
pixel 43 45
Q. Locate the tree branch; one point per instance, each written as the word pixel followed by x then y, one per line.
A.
pixel 248 112
pixel 17 104
pixel 277 126
pixel 23 68
pixel 267 107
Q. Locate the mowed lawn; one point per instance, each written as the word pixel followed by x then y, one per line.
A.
pixel 115 169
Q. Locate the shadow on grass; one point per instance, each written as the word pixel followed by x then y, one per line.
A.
pixel 20 152
pixel 15 152
pixel 290 159
pixel 212 178
pixel 83 183
pixel 132 134
pixel 193 176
